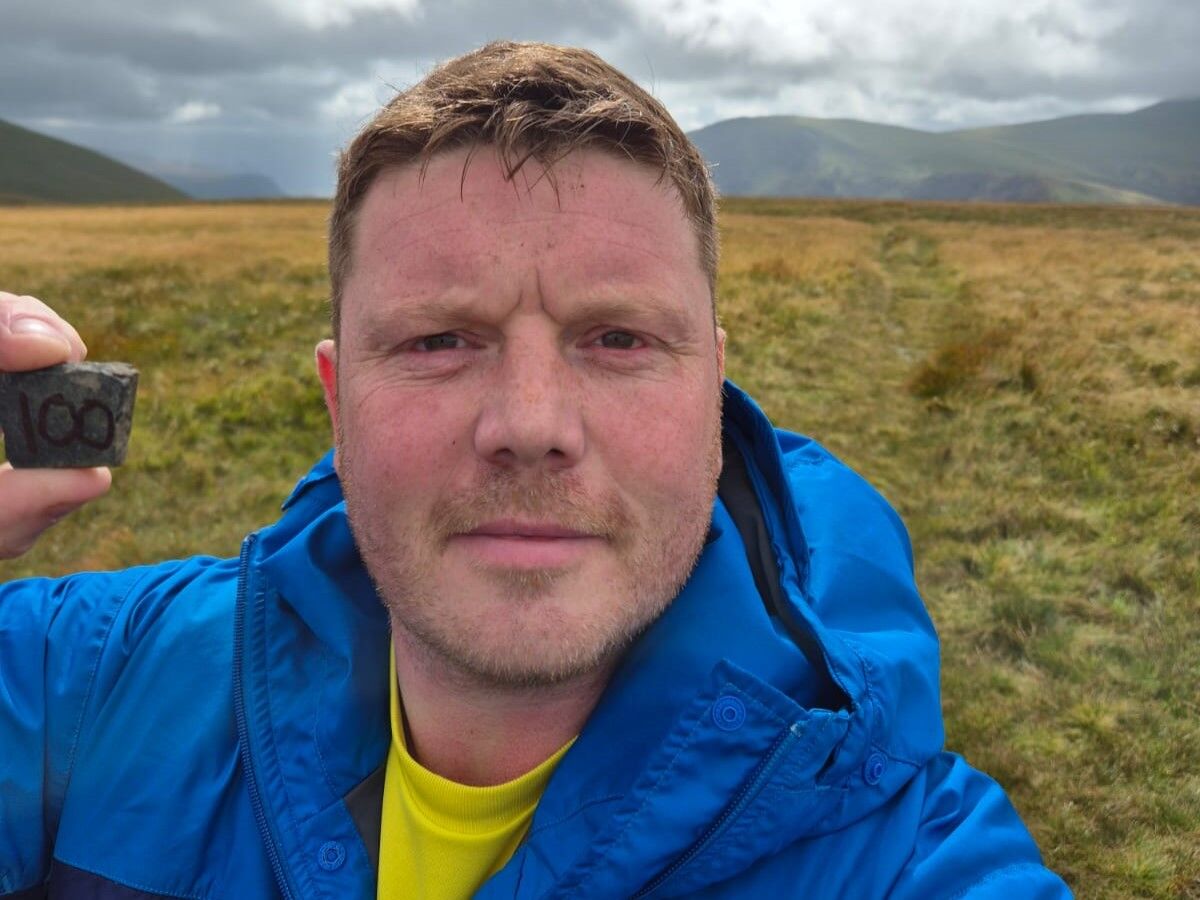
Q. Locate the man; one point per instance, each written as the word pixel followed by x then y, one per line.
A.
pixel 605 680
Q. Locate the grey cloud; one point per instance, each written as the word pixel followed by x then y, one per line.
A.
pixel 36 82
pixel 253 36
pixel 1167 36
pixel 1152 53
pixel 247 55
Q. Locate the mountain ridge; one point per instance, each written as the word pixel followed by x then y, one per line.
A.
pixel 37 168
pixel 1145 156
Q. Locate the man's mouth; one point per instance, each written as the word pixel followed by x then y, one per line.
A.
pixel 526 544
pixel 523 528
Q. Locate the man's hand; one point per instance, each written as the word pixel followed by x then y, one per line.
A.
pixel 33 336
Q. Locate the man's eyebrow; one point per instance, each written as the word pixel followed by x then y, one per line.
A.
pixel 634 305
pixel 618 305
pixel 379 325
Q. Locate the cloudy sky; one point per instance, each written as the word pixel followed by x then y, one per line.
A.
pixel 277 86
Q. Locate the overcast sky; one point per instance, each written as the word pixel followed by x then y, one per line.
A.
pixel 277 86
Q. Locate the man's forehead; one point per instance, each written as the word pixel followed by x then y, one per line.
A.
pixel 471 183
pixel 462 213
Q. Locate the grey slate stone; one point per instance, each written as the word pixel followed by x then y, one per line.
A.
pixel 69 416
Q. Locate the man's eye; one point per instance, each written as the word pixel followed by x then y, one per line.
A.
pixel 618 340
pixel 443 341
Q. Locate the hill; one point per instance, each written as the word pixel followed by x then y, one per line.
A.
pixel 1144 157
pixel 223 186
pixel 1153 151
pixel 35 168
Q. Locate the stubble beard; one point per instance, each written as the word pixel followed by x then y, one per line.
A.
pixel 551 638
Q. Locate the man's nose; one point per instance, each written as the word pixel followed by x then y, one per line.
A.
pixel 531 413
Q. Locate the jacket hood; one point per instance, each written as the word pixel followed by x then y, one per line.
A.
pixel 735 725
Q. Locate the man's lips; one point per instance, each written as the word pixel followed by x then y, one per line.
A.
pixel 516 544
pixel 514 528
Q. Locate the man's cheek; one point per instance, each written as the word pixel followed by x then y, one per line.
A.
pixel 673 451
pixel 394 438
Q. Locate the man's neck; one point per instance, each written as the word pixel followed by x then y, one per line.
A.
pixel 479 733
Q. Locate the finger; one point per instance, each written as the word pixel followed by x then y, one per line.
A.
pixel 31 500
pixel 33 336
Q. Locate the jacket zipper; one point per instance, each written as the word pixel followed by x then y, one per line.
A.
pixel 744 797
pixel 243 731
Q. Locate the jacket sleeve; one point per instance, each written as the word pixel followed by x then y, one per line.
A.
pixel 52 633
pixel 971 843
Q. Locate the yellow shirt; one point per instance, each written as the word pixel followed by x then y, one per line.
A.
pixel 441 840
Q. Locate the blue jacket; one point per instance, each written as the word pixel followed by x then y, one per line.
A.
pixel 216 728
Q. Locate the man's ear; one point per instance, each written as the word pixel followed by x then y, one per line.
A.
pixel 720 354
pixel 327 371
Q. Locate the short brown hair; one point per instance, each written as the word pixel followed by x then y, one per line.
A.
pixel 529 100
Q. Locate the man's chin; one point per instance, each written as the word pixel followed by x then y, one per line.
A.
pixel 506 660
pixel 510 585
pixel 525 634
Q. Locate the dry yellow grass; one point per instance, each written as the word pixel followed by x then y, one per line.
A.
pixel 215 237
pixel 1022 382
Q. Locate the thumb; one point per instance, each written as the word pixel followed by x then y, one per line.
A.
pixel 33 336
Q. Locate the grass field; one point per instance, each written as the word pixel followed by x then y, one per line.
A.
pixel 1023 383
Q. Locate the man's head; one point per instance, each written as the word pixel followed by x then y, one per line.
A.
pixel 525 385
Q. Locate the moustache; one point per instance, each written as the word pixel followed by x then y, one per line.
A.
pixel 560 500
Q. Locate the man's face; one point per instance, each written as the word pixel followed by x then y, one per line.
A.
pixel 526 398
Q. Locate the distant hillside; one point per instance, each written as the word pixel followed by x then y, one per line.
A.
pixel 35 168
pixel 1153 151
pixel 1150 156
pixel 204 183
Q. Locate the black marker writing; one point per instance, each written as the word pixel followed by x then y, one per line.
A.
pixel 47 423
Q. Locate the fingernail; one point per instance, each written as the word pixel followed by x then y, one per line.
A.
pixel 30 325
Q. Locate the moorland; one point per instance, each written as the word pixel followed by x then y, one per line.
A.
pixel 1021 382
